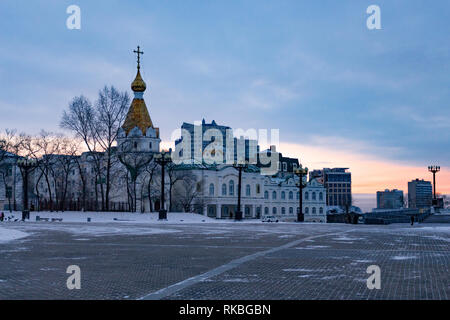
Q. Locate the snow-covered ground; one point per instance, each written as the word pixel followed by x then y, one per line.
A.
pixel 124 217
pixel 10 234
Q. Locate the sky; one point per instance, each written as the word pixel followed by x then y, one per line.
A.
pixel 374 101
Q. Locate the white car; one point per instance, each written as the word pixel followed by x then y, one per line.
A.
pixel 269 219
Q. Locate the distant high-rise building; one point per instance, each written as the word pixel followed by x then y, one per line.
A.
pixel 420 194
pixel 214 141
pixel 338 182
pixel 390 199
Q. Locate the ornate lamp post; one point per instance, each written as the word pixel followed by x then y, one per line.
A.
pixel 300 172
pixel 26 166
pixel 163 159
pixel 239 167
pixel 434 170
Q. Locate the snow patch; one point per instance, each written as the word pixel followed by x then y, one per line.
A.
pixel 10 234
pixel 400 258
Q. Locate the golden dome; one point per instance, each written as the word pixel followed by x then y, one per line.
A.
pixel 137 117
pixel 138 85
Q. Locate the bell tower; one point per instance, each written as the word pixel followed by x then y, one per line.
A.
pixel 138 134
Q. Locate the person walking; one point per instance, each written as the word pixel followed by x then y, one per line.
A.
pixel 2 216
pixel 412 220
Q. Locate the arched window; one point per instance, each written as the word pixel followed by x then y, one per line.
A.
pixel 307 210
pixel 258 189
pixel 211 189
pixel 321 210
pixel 291 210
pixel 248 191
pixel 306 195
pixel 231 188
pixel 283 195
pixel 274 210
pixel 274 195
pixel 320 196
pixel 314 210
pixel 298 195
pixel 283 210
pixel 314 196
pixel 266 194
pixel 266 211
pixel 224 189
pixel 291 195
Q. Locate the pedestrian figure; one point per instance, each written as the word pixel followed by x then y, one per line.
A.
pixel 2 216
pixel 412 220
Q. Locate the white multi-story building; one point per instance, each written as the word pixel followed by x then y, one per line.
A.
pixel 217 194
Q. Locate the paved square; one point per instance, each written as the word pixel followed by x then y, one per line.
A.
pixel 225 261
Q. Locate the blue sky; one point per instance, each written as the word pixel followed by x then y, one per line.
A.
pixel 310 68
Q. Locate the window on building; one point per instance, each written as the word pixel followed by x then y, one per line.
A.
pixel 283 210
pixel 247 211
pixel 274 210
pixel 231 188
pixel 298 195
pixel 320 196
pixel 291 210
pixel 291 195
pixel 314 196
pixel 211 189
pixel 248 191
pixel 283 195
pixel 224 189
pixel 307 210
pixel 266 211
pixel 150 145
pixel 321 210
pixel 284 166
pixel 314 210
pixel 266 194
pixel 135 145
pixel 258 189
pixel 274 195
pixel 306 195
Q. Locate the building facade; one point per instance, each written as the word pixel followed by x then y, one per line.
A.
pixel 337 182
pixel 390 199
pixel 420 194
pixel 217 194
pixel 213 143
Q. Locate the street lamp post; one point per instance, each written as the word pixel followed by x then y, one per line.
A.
pixel 239 167
pixel 163 159
pixel 434 170
pixel 300 172
pixel 26 166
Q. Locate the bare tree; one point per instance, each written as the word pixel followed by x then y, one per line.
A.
pixel 152 172
pixel 175 175
pixel 135 162
pixel 98 127
pixel 44 148
pixel 187 191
